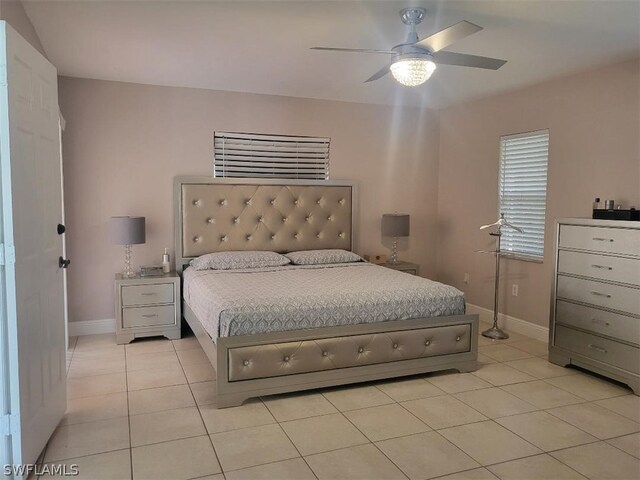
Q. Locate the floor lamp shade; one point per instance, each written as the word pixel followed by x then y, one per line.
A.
pixel 127 230
pixel 395 225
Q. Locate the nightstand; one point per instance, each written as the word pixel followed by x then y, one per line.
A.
pixel 407 267
pixel 147 306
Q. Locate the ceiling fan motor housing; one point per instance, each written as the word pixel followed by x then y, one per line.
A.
pixel 412 15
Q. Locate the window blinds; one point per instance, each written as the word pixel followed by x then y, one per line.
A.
pixel 270 156
pixel 523 191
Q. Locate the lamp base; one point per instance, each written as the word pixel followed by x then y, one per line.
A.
pixel 495 333
pixel 394 252
pixel 128 272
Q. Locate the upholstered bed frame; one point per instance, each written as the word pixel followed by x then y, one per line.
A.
pixel 287 215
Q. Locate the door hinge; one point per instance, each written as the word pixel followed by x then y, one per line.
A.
pixel 7 254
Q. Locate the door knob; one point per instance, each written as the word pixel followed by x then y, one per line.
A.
pixel 63 263
pixel 61 229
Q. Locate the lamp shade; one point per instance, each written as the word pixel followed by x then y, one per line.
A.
pixel 395 225
pixel 127 230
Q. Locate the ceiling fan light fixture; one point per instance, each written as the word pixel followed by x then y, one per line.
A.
pixel 412 70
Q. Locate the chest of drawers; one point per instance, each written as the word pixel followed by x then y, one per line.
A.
pixel 147 307
pixel 595 311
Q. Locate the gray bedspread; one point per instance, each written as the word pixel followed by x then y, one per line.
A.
pixel 245 302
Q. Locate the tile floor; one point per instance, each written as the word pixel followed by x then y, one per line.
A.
pixel 143 411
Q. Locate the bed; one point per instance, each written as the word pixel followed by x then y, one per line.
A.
pixel 305 326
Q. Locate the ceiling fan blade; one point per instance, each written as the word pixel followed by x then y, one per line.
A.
pixel 354 50
pixel 464 60
pixel 378 75
pixel 449 35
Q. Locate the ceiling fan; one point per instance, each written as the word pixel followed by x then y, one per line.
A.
pixel 415 60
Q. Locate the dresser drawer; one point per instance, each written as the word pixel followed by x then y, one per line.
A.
pixel 148 316
pixel 598 348
pixel 599 321
pixel 616 297
pixel 147 294
pixel 616 269
pixel 600 239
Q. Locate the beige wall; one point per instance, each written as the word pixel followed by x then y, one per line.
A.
pixel 124 143
pixel 13 13
pixel 594 124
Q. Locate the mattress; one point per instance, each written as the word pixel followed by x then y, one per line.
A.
pixel 294 297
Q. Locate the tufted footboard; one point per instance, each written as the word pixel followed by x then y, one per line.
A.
pixel 256 365
pixel 289 358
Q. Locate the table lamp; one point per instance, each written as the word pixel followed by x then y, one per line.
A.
pixel 127 231
pixel 395 225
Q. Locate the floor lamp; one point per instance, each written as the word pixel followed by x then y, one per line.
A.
pixel 496 332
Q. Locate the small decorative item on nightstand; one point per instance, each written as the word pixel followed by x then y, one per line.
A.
pixel 147 307
pixel 406 267
pixel 395 225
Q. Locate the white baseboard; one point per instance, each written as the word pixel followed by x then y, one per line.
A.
pixel 92 327
pixel 509 323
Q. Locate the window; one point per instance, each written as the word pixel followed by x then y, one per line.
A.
pixel 258 155
pixel 523 191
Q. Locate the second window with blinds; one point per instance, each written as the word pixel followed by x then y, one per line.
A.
pixel 523 192
pixel 257 155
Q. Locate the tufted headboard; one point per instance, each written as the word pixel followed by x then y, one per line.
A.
pixel 214 215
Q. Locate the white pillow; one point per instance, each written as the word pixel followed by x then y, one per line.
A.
pixel 322 257
pixel 238 259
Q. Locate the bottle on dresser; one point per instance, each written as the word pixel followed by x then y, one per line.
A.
pixel 166 262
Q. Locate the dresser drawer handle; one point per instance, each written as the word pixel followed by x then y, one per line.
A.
pixel 148 294
pixel 595 347
pixel 602 267
pixel 601 239
pixel 598 294
pixel 600 322
pixel 150 315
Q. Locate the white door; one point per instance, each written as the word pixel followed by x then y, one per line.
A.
pixel 33 329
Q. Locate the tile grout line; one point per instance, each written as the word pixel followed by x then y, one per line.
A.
pixel 365 436
pixel 575 426
pixel 618 448
pixel 204 424
pixel 444 393
pixel 291 441
pixel 126 384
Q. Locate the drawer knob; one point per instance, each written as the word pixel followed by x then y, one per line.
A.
pixel 150 315
pixel 596 347
pixel 599 294
pixel 600 322
pixel 148 294
pixel 602 239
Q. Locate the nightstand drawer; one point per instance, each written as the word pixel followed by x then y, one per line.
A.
pixel 148 316
pixel 147 294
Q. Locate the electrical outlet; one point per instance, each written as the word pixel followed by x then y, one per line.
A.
pixel 466 278
pixel 514 289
